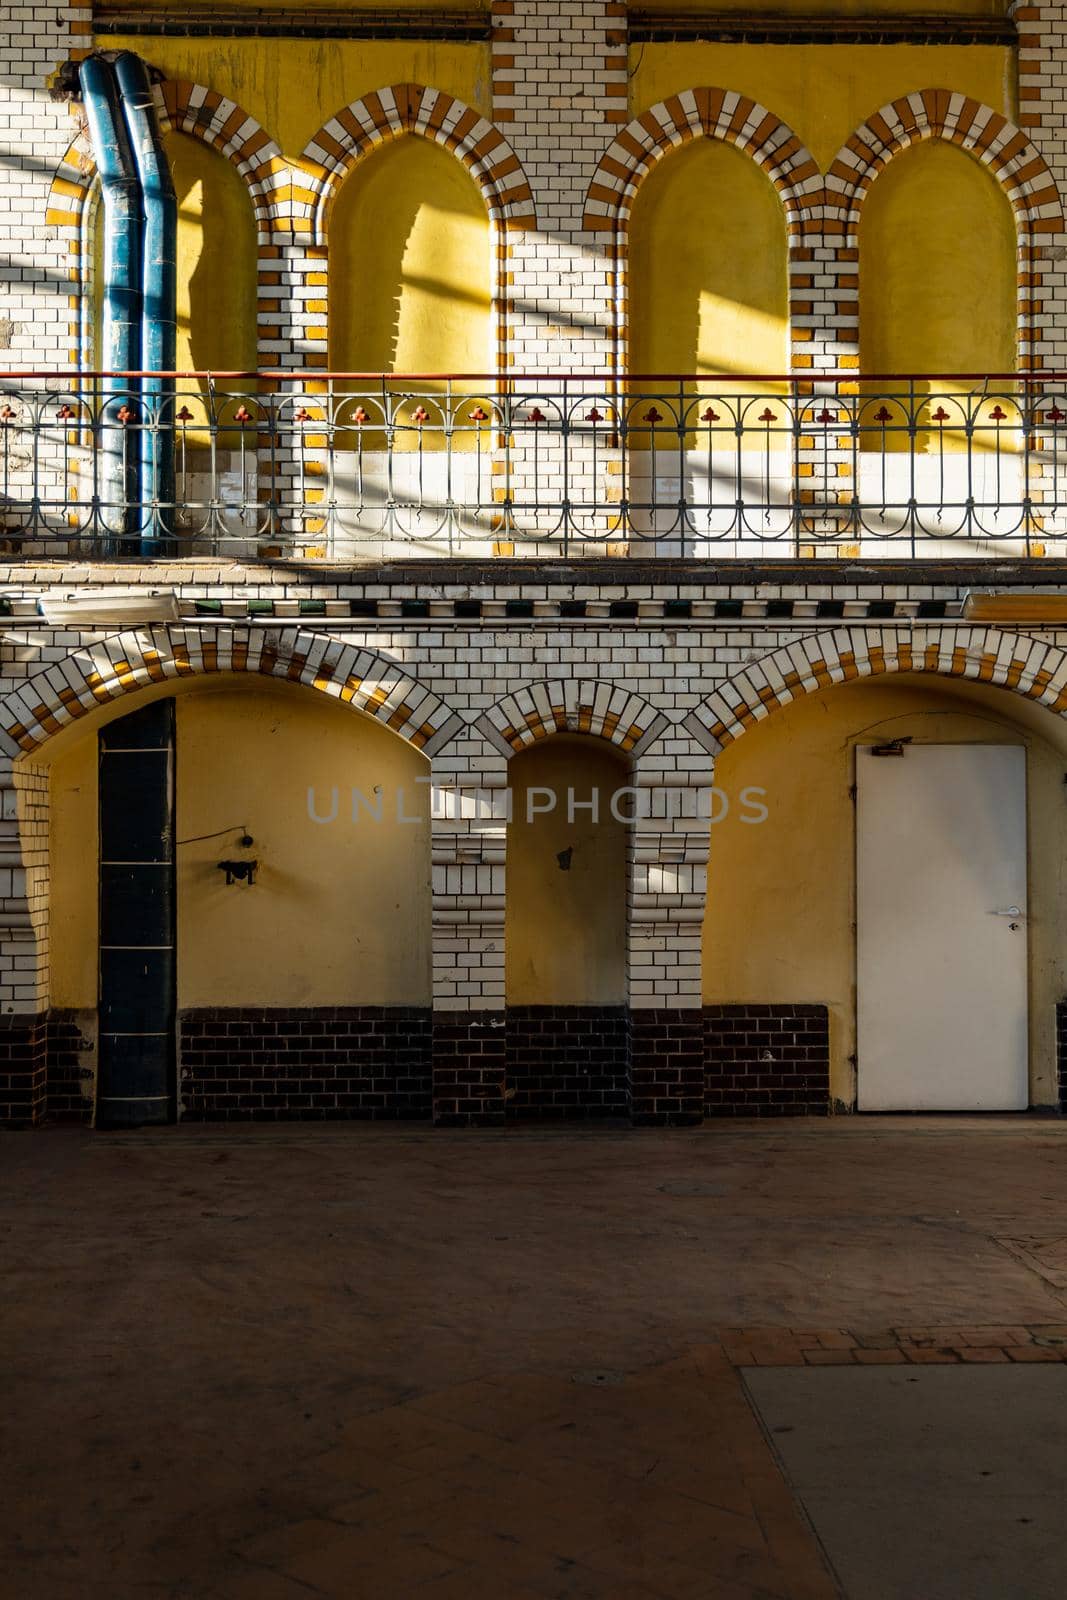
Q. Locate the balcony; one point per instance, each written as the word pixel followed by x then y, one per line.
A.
pixel 360 468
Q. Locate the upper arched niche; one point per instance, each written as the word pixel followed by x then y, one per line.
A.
pixel 410 264
pixel 708 266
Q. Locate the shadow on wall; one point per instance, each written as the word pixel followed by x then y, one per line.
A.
pixel 216 260
pixel 708 266
pixel 410 267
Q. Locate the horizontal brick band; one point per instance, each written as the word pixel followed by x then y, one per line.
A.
pixel 323 1063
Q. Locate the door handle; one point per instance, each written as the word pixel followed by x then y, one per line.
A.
pixel 1011 911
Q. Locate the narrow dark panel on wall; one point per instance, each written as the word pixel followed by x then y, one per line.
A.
pixel 137 899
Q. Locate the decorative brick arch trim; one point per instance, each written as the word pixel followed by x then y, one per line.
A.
pixel 71 187
pixel 695 113
pixel 224 125
pixel 1025 666
pixel 604 710
pixel 183 108
pixel 124 663
pixel 700 113
pixel 996 142
pixel 412 108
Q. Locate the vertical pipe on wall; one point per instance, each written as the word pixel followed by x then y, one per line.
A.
pixel 137 974
pixel 118 488
pixel 159 302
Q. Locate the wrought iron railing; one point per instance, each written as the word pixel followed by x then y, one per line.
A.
pixel 352 466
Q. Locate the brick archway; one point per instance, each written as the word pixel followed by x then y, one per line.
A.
pixel 412 109
pixel 101 673
pixel 696 113
pixel 1025 666
pixel 603 710
pixel 1011 158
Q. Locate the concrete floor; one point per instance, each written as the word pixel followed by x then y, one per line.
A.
pixel 274 1362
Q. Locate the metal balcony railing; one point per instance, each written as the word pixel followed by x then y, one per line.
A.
pixel 352 466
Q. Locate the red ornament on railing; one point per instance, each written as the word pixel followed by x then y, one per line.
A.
pixel 594 416
pixel 652 415
pixel 126 414
pixel 184 415
pixel 940 415
pixel 767 415
pixel 302 415
pixel 65 413
pixel 420 415
pixel 709 415
pixel 1055 415
pixel 7 415
pixel 478 415
pixel 826 415
pixel 537 415
pixel 359 416
pixel 242 414
pixel 998 415
pixel 883 415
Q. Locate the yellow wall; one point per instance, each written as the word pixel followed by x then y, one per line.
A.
pixel 950 306
pixel 293 86
pixel 565 931
pixel 409 264
pixel 824 92
pixel 216 260
pixel 339 913
pixel 781 894
pixel 707 266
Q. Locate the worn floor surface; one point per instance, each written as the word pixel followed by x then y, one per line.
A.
pixel 281 1362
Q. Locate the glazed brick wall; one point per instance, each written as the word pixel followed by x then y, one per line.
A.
pixel 324 1063
pixel 468 1068
pixel 766 1060
pixel 666 1067
pixel 567 1061
pixel 67 1101
pixel 23 1059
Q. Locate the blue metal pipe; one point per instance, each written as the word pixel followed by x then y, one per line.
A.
pixel 159 305
pixel 119 487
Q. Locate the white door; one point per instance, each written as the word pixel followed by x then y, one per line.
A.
pixel 941 928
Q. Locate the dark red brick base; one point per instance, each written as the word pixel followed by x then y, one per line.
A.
pixel 1061 1054
pixel 468 1069
pixel 68 1075
pixel 23 1070
pixel 767 1061
pixel 567 1062
pixel 323 1063
pixel 666 1068
pixel 663 1067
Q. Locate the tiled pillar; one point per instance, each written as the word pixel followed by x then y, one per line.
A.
pixel 559 94
pixel 668 882
pixel 23 944
pixel 469 836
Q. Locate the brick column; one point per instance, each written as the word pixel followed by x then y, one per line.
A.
pixel 469 836
pixel 23 944
pixel 668 883
pixel 1042 67
pixel 559 95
